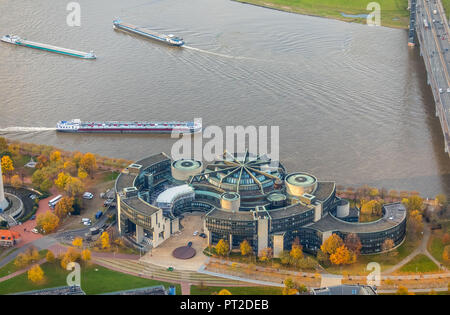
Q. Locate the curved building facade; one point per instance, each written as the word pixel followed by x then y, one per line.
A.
pixel 245 197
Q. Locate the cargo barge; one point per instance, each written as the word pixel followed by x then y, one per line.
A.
pixel 76 125
pixel 16 40
pixel 170 39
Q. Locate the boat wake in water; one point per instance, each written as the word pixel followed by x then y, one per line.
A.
pixel 26 129
pixel 219 54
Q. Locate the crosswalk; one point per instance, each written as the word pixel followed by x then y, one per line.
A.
pixel 149 270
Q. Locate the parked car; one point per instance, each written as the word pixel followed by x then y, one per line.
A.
pixel 195 233
pixel 170 268
pixel 202 235
pixel 35 231
pixel 32 196
pixel 33 217
pixel 189 244
pixel 88 195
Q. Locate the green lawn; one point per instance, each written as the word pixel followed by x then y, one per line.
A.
pixel 435 245
pixel 94 280
pixel 446 5
pixel 386 260
pixel 10 267
pixel 109 176
pixel 197 290
pixel 421 263
pixel 393 12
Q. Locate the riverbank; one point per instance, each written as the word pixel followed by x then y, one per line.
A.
pixel 393 13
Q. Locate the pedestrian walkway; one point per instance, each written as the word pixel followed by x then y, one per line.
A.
pixel 147 270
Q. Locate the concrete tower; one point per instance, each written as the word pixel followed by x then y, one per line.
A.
pixel 3 201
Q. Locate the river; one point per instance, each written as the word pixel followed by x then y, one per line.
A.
pixel 351 101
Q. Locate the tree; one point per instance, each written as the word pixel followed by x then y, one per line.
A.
pixel 55 156
pixel 446 239
pixel 373 192
pixel 16 182
pixel 441 199
pixel 266 254
pixel 77 242
pixel 82 174
pixel 36 274
pixel 342 256
pixel 71 255
pixel 413 203
pixel 7 164
pixel 47 221
pixel 41 180
pixel 403 291
pixel 222 248
pixel 21 260
pixel 387 245
pixel 104 240
pixel 224 292
pixel 245 248
pixel 446 253
pixel 74 186
pixel 3 145
pixel 370 209
pixel 296 253
pixel 64 206
pixel 289 287
pixel 42 161
pixel 331 244
pixel 62 180
pixel 353 243
pixel 88 163
pixel 322 257
pixel 86 255
pixel 414 223
pixel 50 257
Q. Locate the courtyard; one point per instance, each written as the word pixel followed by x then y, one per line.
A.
pixel 162 255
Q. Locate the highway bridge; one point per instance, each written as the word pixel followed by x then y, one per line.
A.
pixel 429 23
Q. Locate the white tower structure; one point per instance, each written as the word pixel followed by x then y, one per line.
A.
pixel 3 201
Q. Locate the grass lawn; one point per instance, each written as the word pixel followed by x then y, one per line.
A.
pixel 197 290
pixel 109 176
pixel 393 12
pixel 94 280
pixel 435 245
pixel 421 263
pixel 446 5
pixel 10 267
pixel 386 260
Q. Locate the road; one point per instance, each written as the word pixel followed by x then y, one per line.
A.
pixel 433 34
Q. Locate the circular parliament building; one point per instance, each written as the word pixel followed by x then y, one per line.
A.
pixel 244 197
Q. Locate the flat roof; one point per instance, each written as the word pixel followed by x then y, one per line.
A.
pixel 289 211
pixel 395 213
pixel 228 215
pixel 324 190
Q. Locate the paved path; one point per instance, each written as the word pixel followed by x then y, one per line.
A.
pixel 19 272
pixel 422 249
pixel 26 236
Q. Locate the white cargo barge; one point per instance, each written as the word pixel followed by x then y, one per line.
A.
pixel 76 125
pixel 16 40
